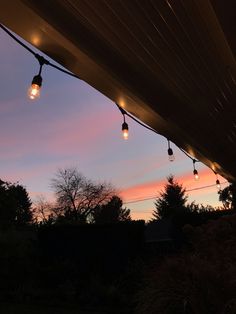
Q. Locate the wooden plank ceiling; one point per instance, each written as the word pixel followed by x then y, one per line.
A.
pixel 171 63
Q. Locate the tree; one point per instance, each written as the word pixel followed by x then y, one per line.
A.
pixel 228 196
pixel 15 204
pixel 77 196
pixel 172 201
pixel 200 208
pixel 112 211
pixel 44 212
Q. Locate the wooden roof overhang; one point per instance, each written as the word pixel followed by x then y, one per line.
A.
pixel 171 63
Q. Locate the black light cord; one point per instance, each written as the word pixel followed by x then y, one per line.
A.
pixel 193 159
pixel 64 71
pixel 17 40
pixel 40 58
pixel 43 61
pixel 168 143
pixel 142 124
pixel 124 112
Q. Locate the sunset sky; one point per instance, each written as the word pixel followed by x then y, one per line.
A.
pixel 72 124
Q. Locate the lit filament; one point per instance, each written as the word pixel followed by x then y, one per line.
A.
pixel 218 183
pixel 125 134
pixel 125 130
pixel 34 91
pixel 195 173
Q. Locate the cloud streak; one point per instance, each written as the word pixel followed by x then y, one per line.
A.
pixel 153 188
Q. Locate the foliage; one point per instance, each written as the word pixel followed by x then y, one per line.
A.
pixel 77 196
pixel 199 208
pixel 95 278
pixel 200 280
pixel 228 196
pixel 15 204
pixel 113 211
pixel 171 201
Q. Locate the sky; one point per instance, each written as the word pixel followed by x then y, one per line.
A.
pixel 73 125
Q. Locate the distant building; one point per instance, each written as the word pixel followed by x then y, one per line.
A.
pixel 159 236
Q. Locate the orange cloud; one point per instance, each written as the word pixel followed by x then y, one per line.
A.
pixel 140 191
pixel 146 215
pixel 151 189
pixel 144 209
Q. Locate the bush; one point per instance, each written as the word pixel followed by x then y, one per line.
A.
pixel 201 281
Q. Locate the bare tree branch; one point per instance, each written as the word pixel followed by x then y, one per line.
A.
pixel 78 196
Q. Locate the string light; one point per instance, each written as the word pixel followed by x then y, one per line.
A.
pixel 34 90
pixel 218 185
pixel 125 127
pixel 170 152
pixel 40 59
pixel 195 172
pixel 125 130
pixel 34 93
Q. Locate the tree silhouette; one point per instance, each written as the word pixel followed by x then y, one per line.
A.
pixel 77 196
pixel 200 208
pixel 113 211
pixel 171 201
pixel 228 196
pixel 15 204
pixel 44 212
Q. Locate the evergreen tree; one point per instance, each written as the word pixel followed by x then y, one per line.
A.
pixel 113 211
pixel 15 204
pixel 172 201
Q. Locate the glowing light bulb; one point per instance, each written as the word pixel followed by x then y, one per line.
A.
pixel 195 173
pixel 34 90
pixel 171 154
pixel 218 183
pixel 125 130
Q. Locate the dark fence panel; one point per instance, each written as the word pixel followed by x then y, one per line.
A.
pixel 104 248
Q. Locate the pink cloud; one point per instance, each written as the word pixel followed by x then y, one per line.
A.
pixel 49 196
pixel 140 191
pixel 30 173
pixel 65 135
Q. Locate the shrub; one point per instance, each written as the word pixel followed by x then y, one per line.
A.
pixel 200 281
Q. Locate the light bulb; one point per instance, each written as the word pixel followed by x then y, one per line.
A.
pixel 34 90
pixel 125 130
pixel 218 183
pixel 195 173
pixel 171 154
